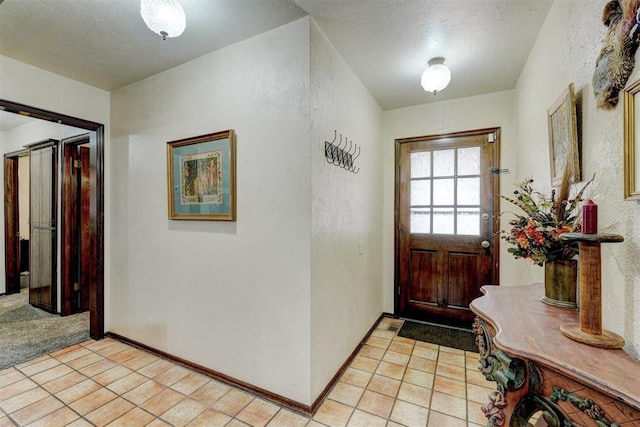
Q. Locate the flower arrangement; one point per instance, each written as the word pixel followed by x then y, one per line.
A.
pixel 536 233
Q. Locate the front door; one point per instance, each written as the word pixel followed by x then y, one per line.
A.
pixel 447 190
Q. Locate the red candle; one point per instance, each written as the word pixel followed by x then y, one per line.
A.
pixel 590 217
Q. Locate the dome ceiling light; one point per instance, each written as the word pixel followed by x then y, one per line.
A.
pixel 164 17
pixel 437 75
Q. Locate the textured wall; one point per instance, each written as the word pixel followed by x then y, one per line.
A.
pixel 231 296
pixel 565 52
pixel 346 221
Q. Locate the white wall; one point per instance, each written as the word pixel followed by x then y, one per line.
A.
pixel 230 296
pixel 566 51
pixel 35 87
pixel 492 110
pixel 346 273
pixel 35 131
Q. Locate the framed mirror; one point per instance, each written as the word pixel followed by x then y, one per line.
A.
pixel 631 135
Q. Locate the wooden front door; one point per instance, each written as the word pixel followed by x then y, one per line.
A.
pixel 447 194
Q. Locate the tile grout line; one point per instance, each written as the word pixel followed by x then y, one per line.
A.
pixel 433 384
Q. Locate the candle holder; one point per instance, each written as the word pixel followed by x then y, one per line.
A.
pixel 589 330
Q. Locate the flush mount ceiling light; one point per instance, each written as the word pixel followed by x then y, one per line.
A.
pixel 164 17
pixel 437 75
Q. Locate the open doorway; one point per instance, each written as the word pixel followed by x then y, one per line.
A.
pixel 94 228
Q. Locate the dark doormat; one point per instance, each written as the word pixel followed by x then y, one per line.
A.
pixel 462 339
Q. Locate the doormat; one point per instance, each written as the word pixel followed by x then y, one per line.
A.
pixel 462 339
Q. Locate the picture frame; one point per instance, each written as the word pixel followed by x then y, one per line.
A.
pixel 563 138
pixel 201 177
pixel 631 135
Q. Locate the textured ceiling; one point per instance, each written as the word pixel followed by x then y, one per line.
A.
pixel 388 43
pixel 104 43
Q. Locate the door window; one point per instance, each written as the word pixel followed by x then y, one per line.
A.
pixel 445 191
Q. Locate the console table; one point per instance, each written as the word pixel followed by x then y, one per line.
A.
pixel 544 378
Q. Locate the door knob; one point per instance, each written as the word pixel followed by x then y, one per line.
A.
pixel 485 244
pixel 485 216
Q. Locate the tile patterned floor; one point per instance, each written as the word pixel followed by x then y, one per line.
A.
pixel 392 382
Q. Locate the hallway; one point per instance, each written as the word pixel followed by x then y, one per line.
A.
pixel 393 382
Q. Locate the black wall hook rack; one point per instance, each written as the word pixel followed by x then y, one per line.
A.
pixel 343 156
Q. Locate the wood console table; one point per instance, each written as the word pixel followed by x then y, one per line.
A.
pixel 540 371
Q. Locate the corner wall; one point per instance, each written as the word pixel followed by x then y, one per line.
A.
pixel 566 51
pixel 230 296
pixel 346 218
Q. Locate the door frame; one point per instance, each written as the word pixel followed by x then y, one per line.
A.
pixel 495 240
pixel 70 221
pixel 11 221
pixel 96 288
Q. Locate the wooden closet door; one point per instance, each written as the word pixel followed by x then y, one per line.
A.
pixel 42 288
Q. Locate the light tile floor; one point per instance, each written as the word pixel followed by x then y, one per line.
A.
pixel 393 381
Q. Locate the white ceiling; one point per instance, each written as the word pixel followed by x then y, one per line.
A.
pixel 105 43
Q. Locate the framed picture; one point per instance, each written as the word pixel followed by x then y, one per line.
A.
pixel 631 136
pixel 201 177
pixel 563 138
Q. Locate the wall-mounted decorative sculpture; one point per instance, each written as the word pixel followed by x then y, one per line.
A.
pixel 617 57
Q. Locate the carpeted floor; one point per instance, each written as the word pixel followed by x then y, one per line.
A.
pixel 27 332
pixel 459 338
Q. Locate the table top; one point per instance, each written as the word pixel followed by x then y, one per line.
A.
pixel 529 329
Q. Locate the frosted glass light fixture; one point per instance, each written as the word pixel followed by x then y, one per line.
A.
pixel 437 75
pixel 164 17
